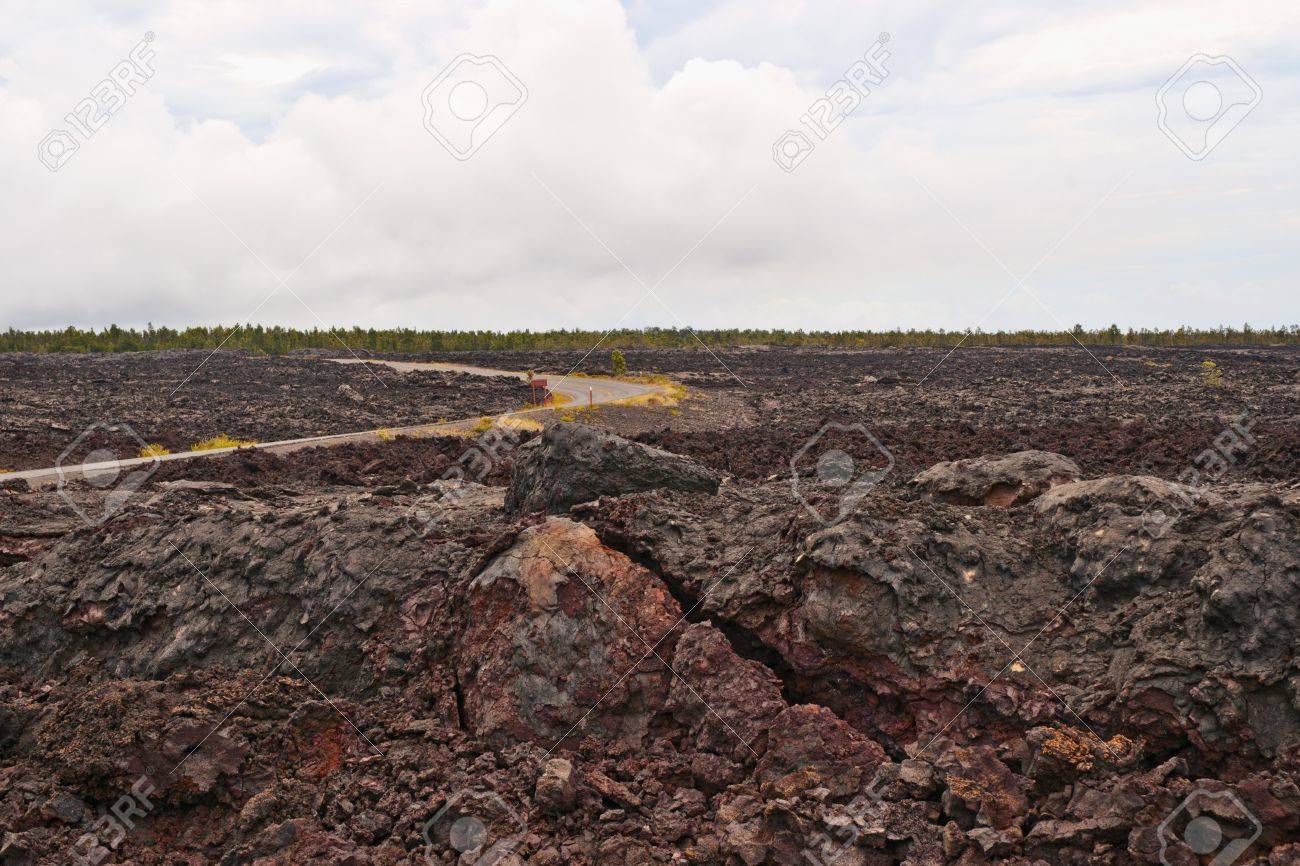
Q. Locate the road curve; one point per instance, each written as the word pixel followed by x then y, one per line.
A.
pixel 574 387
pixel 577 389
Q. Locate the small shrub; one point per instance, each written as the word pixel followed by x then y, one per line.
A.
pixel 153 449
pixel 1211 375
pixel 618 363
pixel 221 441
pixel 385 435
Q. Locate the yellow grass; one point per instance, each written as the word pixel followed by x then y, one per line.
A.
pixel 385 435
pixel 153 449
pixel 516 423
pixel 671 392
pixel 572 414
pixel 221 441
pixel 484 424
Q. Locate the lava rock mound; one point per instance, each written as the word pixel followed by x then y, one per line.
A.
pixel 573 463
pixel 1001 480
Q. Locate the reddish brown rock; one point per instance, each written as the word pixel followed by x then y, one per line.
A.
pixel 556 788
pixel 808 746
pixel 977 782
pixel 565 640
pixel 726 703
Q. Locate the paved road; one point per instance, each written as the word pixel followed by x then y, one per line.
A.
pixel 573 387
pixel 579 389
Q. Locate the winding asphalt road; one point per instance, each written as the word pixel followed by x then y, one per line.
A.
pixel 578 389
pixel 573 387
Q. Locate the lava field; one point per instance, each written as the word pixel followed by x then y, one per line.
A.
pixel 834 608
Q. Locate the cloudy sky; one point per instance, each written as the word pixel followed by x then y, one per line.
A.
pixel 606 163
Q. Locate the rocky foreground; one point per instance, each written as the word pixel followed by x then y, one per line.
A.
pixel 626 658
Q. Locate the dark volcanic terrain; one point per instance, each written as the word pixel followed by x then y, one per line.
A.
pixel 177 398
pixel 1030 607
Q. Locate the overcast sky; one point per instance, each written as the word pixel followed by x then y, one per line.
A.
pixel 278 165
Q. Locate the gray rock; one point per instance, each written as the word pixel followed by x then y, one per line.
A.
pixel 1002 480
pixel 573 463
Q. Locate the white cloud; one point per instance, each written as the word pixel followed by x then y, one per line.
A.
pixel 284 120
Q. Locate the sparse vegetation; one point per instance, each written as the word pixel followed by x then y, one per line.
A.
pixel 670 393
pixel 517 423
pixel 573 413
pixel 153 449
pixel 479 427
pixel 618 363
pixel 1211 375
pixel 277 341
pixel 221 441
pixel 385 435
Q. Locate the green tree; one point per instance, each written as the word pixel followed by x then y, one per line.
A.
pixel 618 363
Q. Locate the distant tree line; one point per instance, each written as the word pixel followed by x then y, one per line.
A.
pixel 277 340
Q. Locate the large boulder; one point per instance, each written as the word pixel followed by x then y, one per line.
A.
pixel 1003 480
pixel 572 463
pixel 559 642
